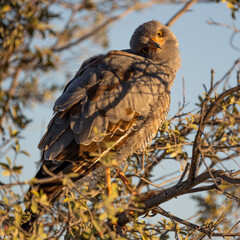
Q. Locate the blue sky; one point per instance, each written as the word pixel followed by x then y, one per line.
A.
pixel 202 47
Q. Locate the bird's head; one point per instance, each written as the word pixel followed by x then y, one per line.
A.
pixel 155 41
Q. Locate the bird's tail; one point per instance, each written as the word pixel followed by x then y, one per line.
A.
pixel 27 226
pixel 52 189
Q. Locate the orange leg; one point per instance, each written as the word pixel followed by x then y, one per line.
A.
pixel 123 178
pixel 130 188
pixel 108 180
pixel 126 182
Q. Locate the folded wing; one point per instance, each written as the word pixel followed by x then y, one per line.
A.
pixel 109 100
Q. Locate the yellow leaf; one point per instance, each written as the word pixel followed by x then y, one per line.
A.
pixel 9 161
pixel 174 154
pixel 25 153
pixel 44 199
pixel 103 216
pixel 64 182
pixel 6 173
pixel 194 126
pixel 67 200
pixel 230 5
pixel 6 8
pixel 97 226
pixel 17 169
pixel 18 214
pixel 73 175
pixel 5 200
pixel 34 192
pixel 34 206
pixel 17 147
pixel 13 133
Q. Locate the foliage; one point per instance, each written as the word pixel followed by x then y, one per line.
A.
pixel 82 213
pixel 233 5
pixel 202 145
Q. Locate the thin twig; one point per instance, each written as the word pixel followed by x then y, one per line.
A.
pixel 184 173
pixel 106 23
pixel 205 119
pixel 212 22
pixel 184 222
pixel 234 226
pixel 179 189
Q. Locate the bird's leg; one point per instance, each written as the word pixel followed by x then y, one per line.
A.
pixel 108 180
pixel 126 182
pixel 141 198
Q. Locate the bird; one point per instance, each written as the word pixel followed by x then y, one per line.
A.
pixel 121 98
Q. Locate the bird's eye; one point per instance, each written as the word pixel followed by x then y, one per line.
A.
pixel 144 50
pixel 160 33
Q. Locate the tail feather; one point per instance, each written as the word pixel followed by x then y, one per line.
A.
pixel 52 190
pixel 27 226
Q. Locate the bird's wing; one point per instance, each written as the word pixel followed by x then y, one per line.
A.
pixel 107 101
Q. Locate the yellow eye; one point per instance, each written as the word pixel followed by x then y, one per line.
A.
pixel 144 50
pixel 160 33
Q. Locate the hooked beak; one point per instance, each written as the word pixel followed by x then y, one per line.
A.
pixel 155 43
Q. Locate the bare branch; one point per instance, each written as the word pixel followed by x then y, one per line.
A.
pixel 212 22
pixel 211 111
pixel 106 23
pixel 184 222
pixel 184 173
pixel 180 13
pixel 179 189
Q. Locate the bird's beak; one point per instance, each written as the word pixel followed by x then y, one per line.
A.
pixel 155 43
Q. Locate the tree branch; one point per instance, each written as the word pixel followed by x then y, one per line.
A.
pixel 179 189
pixel 107 22
pixel 180 13
pixel 211 111
pixel 184 222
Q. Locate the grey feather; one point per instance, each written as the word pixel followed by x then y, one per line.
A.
pixel 59 145
pixel 122 94
pixel 149 78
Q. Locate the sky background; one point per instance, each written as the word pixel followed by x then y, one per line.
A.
pixel 202 47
